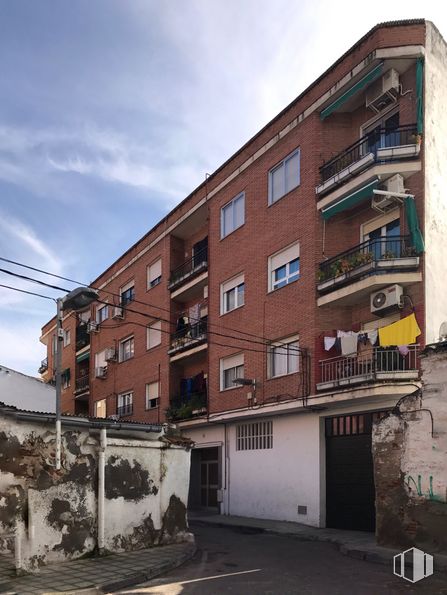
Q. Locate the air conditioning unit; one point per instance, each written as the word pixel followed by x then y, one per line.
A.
pixel 388 200
pixel 386 298
pixel 383 92
pixel 92 327
pixel 110 355
pixel 118 312
pixel 101 372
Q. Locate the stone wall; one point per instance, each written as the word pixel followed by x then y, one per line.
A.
pixel 410 464
pixel 56 512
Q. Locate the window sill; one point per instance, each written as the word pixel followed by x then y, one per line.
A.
pixel 153 286
pixel 153 347
pixel 270 204
pixel 284 286
pixel 282 375
pixel 224 390
pixel 152 408
pixel 123 361
pixel 230 311
pixel 231 232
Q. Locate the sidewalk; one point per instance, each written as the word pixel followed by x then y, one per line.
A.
pixel 95 575
pixel 357 544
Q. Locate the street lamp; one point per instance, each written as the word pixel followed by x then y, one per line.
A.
pixel 76 300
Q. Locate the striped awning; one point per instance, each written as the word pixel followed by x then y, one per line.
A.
pixel 351 200
pixel 82 356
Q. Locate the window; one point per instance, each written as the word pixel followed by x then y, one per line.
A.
pixel 232 294
pixel 65 378
pixel 154 334
pixel 152 395
pixel 126 349
pixel 254 436
pixel 154 274
pixel 384 132
pixel 284 267
pixel 102 314
pixel 66 337
pixel 284 177
pixel 100 408
pixel 127 293
pixel 283 357
pixel 125 404
pixel 383 235
pixel 232 215
pixel 230 368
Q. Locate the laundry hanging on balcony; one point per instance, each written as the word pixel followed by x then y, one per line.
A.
pixel 417 240
pixel 402 332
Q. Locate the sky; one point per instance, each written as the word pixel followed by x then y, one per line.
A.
pixel 112 111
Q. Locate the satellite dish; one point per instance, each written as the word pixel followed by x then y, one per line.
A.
pixel 443 331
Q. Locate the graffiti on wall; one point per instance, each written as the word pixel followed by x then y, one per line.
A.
pixel 415 485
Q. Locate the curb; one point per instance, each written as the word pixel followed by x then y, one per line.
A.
pixel 368 554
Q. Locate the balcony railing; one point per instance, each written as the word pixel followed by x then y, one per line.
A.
pixel 82 337
pixel 188 337
pixel 124 410
pixel 43 366
pixel 82 384
pixel 371 143
pixel 195 265
pixel 379 364
pixel 185 407
pixel 372 256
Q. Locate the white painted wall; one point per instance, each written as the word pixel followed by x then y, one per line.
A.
pixel 435 142
pixel 26 392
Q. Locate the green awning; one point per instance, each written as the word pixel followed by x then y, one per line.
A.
pixel 359 85
pixel 351 200
pixel 83 356
pixel 417 241
pixel 420 95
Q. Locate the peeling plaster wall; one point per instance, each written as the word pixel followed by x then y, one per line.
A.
pixel 56 512
pixel 410 465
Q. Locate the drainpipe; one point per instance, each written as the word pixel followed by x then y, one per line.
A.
pixel 18 547
pixel 101 487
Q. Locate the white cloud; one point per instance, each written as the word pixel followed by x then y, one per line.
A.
pixel 20 348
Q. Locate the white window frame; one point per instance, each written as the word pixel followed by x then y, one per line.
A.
pixel 100 359
pixel 104 308
pixel 127 287
pixel 276 168
pixel 125 399
pixel 228 286
pixel 65 379
pixel 292 251
pixel 154 331
pixel 101 403
pixel 380 222
pixel 152 396
pixel 67 337
pixel 283 345
pixel 254 435
pixel 151 280
pixel 231 204
pixel 122 343
pixel 232 362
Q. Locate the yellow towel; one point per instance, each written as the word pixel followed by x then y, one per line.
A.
pixel 402 332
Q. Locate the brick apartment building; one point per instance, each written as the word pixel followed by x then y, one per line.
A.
pixel 305 237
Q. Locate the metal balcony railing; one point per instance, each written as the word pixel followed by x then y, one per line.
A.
pixel 43 366
pixel 189 336
pixel 82 337
pixel 198 263
pixel 379 364
pixel 124 410
pixel 363 259
pixel 370 143
pixel 187 406
pixel 82 384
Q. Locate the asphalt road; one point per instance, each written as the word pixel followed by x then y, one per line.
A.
pixel 243 563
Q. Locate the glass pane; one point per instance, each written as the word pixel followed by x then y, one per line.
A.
pixel 393 247
pixel 279 361
pixel 280 273
pixel 227 223
pixel 241 294
pixel 277 183
pixel 294 266
pixel 230 300
pixel 239 212
pixel 292 166
pixel 293 357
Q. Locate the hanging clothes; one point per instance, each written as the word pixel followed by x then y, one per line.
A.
pixel 329 342
pixel 403 350
pixel 194 313
pixel 372 336
pixel 349 344
pixel 402 332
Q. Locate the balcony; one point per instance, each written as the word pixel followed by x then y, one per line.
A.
pixel 82 385
pixel 377 257
pixel 124 410
pixel 378 147
pixel 82 337
pixel 189 270
pixel 382 364
pixel 186 407
pixel 43 366
pixel 189 337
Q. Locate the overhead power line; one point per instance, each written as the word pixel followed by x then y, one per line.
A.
pixel 47 297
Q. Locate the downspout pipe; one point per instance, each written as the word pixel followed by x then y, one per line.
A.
pixel 101 489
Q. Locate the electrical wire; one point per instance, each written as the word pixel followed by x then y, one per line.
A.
pixel 264 340
pixel 47 297
pixel 156 318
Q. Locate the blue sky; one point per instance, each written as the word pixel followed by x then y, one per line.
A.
pixel 111 112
